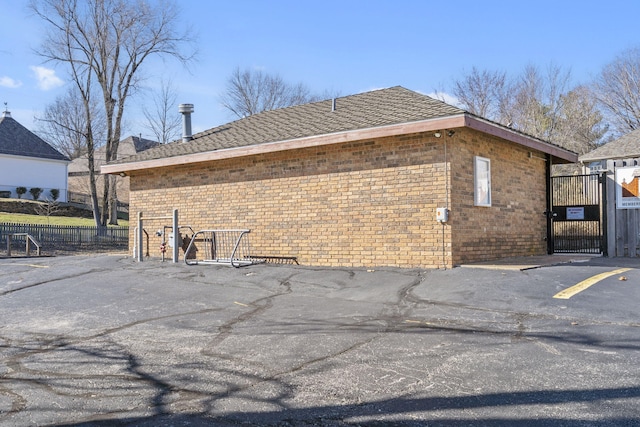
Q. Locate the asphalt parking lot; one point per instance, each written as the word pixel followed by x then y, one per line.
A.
pixel 103 340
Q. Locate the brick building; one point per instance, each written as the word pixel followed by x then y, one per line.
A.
pixel 357 181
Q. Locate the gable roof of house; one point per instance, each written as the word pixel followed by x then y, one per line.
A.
pixel 17 140
pixel 139 143
pixel 627 146
pixel 347 118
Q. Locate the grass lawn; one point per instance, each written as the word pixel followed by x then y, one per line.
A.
pixel 17 218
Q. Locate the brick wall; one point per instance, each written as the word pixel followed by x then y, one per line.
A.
pixel 514 225
pixel 366 203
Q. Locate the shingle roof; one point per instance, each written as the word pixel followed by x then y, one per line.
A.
pixel 624 147
pixel 16 140
pixel 141 144
pixel 129 146
pixel 362 111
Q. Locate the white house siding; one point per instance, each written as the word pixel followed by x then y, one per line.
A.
pixel 29 172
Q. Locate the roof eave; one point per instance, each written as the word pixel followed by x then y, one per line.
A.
pixel 559 154
pixel 292 144
pixel 586 158
pixel 48 159
pixel 448 122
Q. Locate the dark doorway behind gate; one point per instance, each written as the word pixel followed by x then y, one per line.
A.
pixel 576 216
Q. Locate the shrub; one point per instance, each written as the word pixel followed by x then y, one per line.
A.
pixel 54 193
pixel 20 191
pixel 35 192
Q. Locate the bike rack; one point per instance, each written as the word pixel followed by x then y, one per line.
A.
pixel 230 247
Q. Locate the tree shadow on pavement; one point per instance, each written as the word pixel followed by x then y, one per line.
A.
pixel 401 412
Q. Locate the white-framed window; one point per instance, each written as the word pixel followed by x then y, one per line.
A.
pixel 482 181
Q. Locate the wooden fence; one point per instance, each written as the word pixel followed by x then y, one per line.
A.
pixel 623 224
pixel 57 239
pixel 626 225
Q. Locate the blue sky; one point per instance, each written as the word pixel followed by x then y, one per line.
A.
pixel 340 46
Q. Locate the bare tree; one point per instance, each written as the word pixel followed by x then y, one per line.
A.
pixel 253 91
pixel 541 104
pixel 536 101
pixel 581 127
pixel 104 43
pixel 64 123
pixel 617 89
pixel 164 121
pixel 47 208
pixel 483 93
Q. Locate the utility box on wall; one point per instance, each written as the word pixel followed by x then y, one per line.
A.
pixel 442 214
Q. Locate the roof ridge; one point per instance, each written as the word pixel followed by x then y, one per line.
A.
pixel 13 134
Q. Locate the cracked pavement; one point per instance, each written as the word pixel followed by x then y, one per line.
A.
pixel 102 340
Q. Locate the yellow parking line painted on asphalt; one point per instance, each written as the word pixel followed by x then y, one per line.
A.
pixel 33 265
pixel 569 292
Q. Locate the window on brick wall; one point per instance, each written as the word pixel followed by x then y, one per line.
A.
pixel 482 181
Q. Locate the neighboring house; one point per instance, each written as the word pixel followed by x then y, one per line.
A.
pixel 28 161
pixel 79 188
pixel 626 150
pixel 383 178
pixel 620 161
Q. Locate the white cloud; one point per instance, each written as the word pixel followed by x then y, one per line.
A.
pixel 9 82
pixel 46 78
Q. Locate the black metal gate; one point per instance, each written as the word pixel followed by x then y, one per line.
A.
pixel 576 218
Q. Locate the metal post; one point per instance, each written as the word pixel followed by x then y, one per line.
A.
pixel 8 244
pixel 140 238
pixel 176 236
pixel 603 212
pixel 610 208
pixel 549 203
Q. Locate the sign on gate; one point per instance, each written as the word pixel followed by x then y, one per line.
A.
pixel 576 216
pixel 628 187
pixel 575 213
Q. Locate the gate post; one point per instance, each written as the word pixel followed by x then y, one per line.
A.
pixel 548 212
pixel 610 208
pixel 603 212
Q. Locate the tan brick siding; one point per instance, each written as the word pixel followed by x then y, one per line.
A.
pixel 366 203
pixel 514 225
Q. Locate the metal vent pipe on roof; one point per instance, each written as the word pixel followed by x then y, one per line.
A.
pixel 333 104
pixel 186 110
